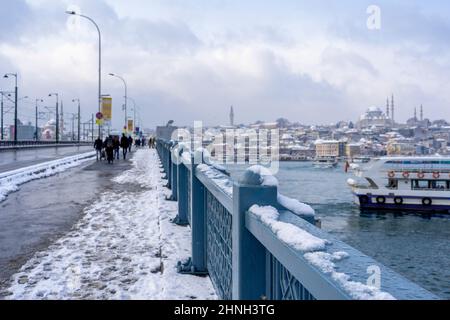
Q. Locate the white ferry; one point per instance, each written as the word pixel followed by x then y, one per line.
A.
pixel 410 183
pixel 325 162
pixel 361 159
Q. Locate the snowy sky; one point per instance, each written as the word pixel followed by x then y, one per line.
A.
pixel 186 60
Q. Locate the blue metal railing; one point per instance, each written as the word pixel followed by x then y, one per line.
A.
pixel 247 258
pixel 7 144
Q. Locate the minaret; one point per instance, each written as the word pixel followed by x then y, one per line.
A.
pixel 387 108
pixel 392 110
pixel 415 113
pixel 61 121
pixel 232 116
pixel 421 112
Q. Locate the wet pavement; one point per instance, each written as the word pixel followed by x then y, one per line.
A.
pixel 44 210
pixel 15 159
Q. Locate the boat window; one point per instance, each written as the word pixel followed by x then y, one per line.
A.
pixel 420 184
pixel 430 185
pixel 372 183
pixel 439 184
pixel 393 184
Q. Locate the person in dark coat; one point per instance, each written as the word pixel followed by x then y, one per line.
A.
pixel 124 144
pixel 98 146
pixel 109 148
pixel 116 147
pixel 130 143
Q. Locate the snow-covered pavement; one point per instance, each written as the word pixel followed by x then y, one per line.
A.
pixel 11 180
pixel 125 247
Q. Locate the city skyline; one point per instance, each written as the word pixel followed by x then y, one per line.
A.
pixel 310 63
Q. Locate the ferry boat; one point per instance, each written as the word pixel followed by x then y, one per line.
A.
pixel 409 183
pixel 325 162
pixel 361 159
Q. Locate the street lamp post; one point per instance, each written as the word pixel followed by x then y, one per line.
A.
pixel 126 96
pixel 2 93
pixel 15 103
pixel 134 113
pixel 36 123
pixel 99 62
pixel 57 115
pixel 79 117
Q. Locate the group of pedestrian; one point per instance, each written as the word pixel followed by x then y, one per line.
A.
pixel 109 149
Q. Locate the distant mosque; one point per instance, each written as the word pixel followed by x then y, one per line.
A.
pixel 375 117
pixel 418 121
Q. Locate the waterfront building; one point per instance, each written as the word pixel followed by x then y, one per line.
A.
pixel 353 150
pixel 24 131
pixel 400 148
pixel 327 148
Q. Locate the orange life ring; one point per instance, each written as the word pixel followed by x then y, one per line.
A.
pixel 405 174
pixel 436 175
pixel 421 175
pixel 391 174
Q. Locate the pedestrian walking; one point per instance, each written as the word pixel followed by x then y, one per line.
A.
pixel 109 148
pixel 116 147
pixel 130 143
pixel 124 144
pixel 98 146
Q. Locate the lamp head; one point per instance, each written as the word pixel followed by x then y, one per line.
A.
pixel 71 12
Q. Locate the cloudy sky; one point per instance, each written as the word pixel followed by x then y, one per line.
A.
pixel 308 61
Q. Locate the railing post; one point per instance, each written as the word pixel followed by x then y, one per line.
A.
pixel 197 263
pixel 249 255
pixel 173 174
pixel 168 164
pixel 183 201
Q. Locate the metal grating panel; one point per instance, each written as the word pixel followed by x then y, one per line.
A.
pixel 283 285
pixel 219 246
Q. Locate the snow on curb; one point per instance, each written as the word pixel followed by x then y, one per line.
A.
pixel 11 180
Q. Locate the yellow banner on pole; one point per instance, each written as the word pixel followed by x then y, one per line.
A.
pixel 107 108
pixel 130 125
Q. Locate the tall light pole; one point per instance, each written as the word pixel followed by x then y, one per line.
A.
pixel 99 63
pixel 57 115
pixel 15 103
pixel 79 117
pixel 2 93
pixel 126 97
pixel 74 115
pixel 36 137
pixel 134 112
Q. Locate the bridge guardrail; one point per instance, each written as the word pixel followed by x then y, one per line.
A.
pixel 257 244
pixel 6 144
